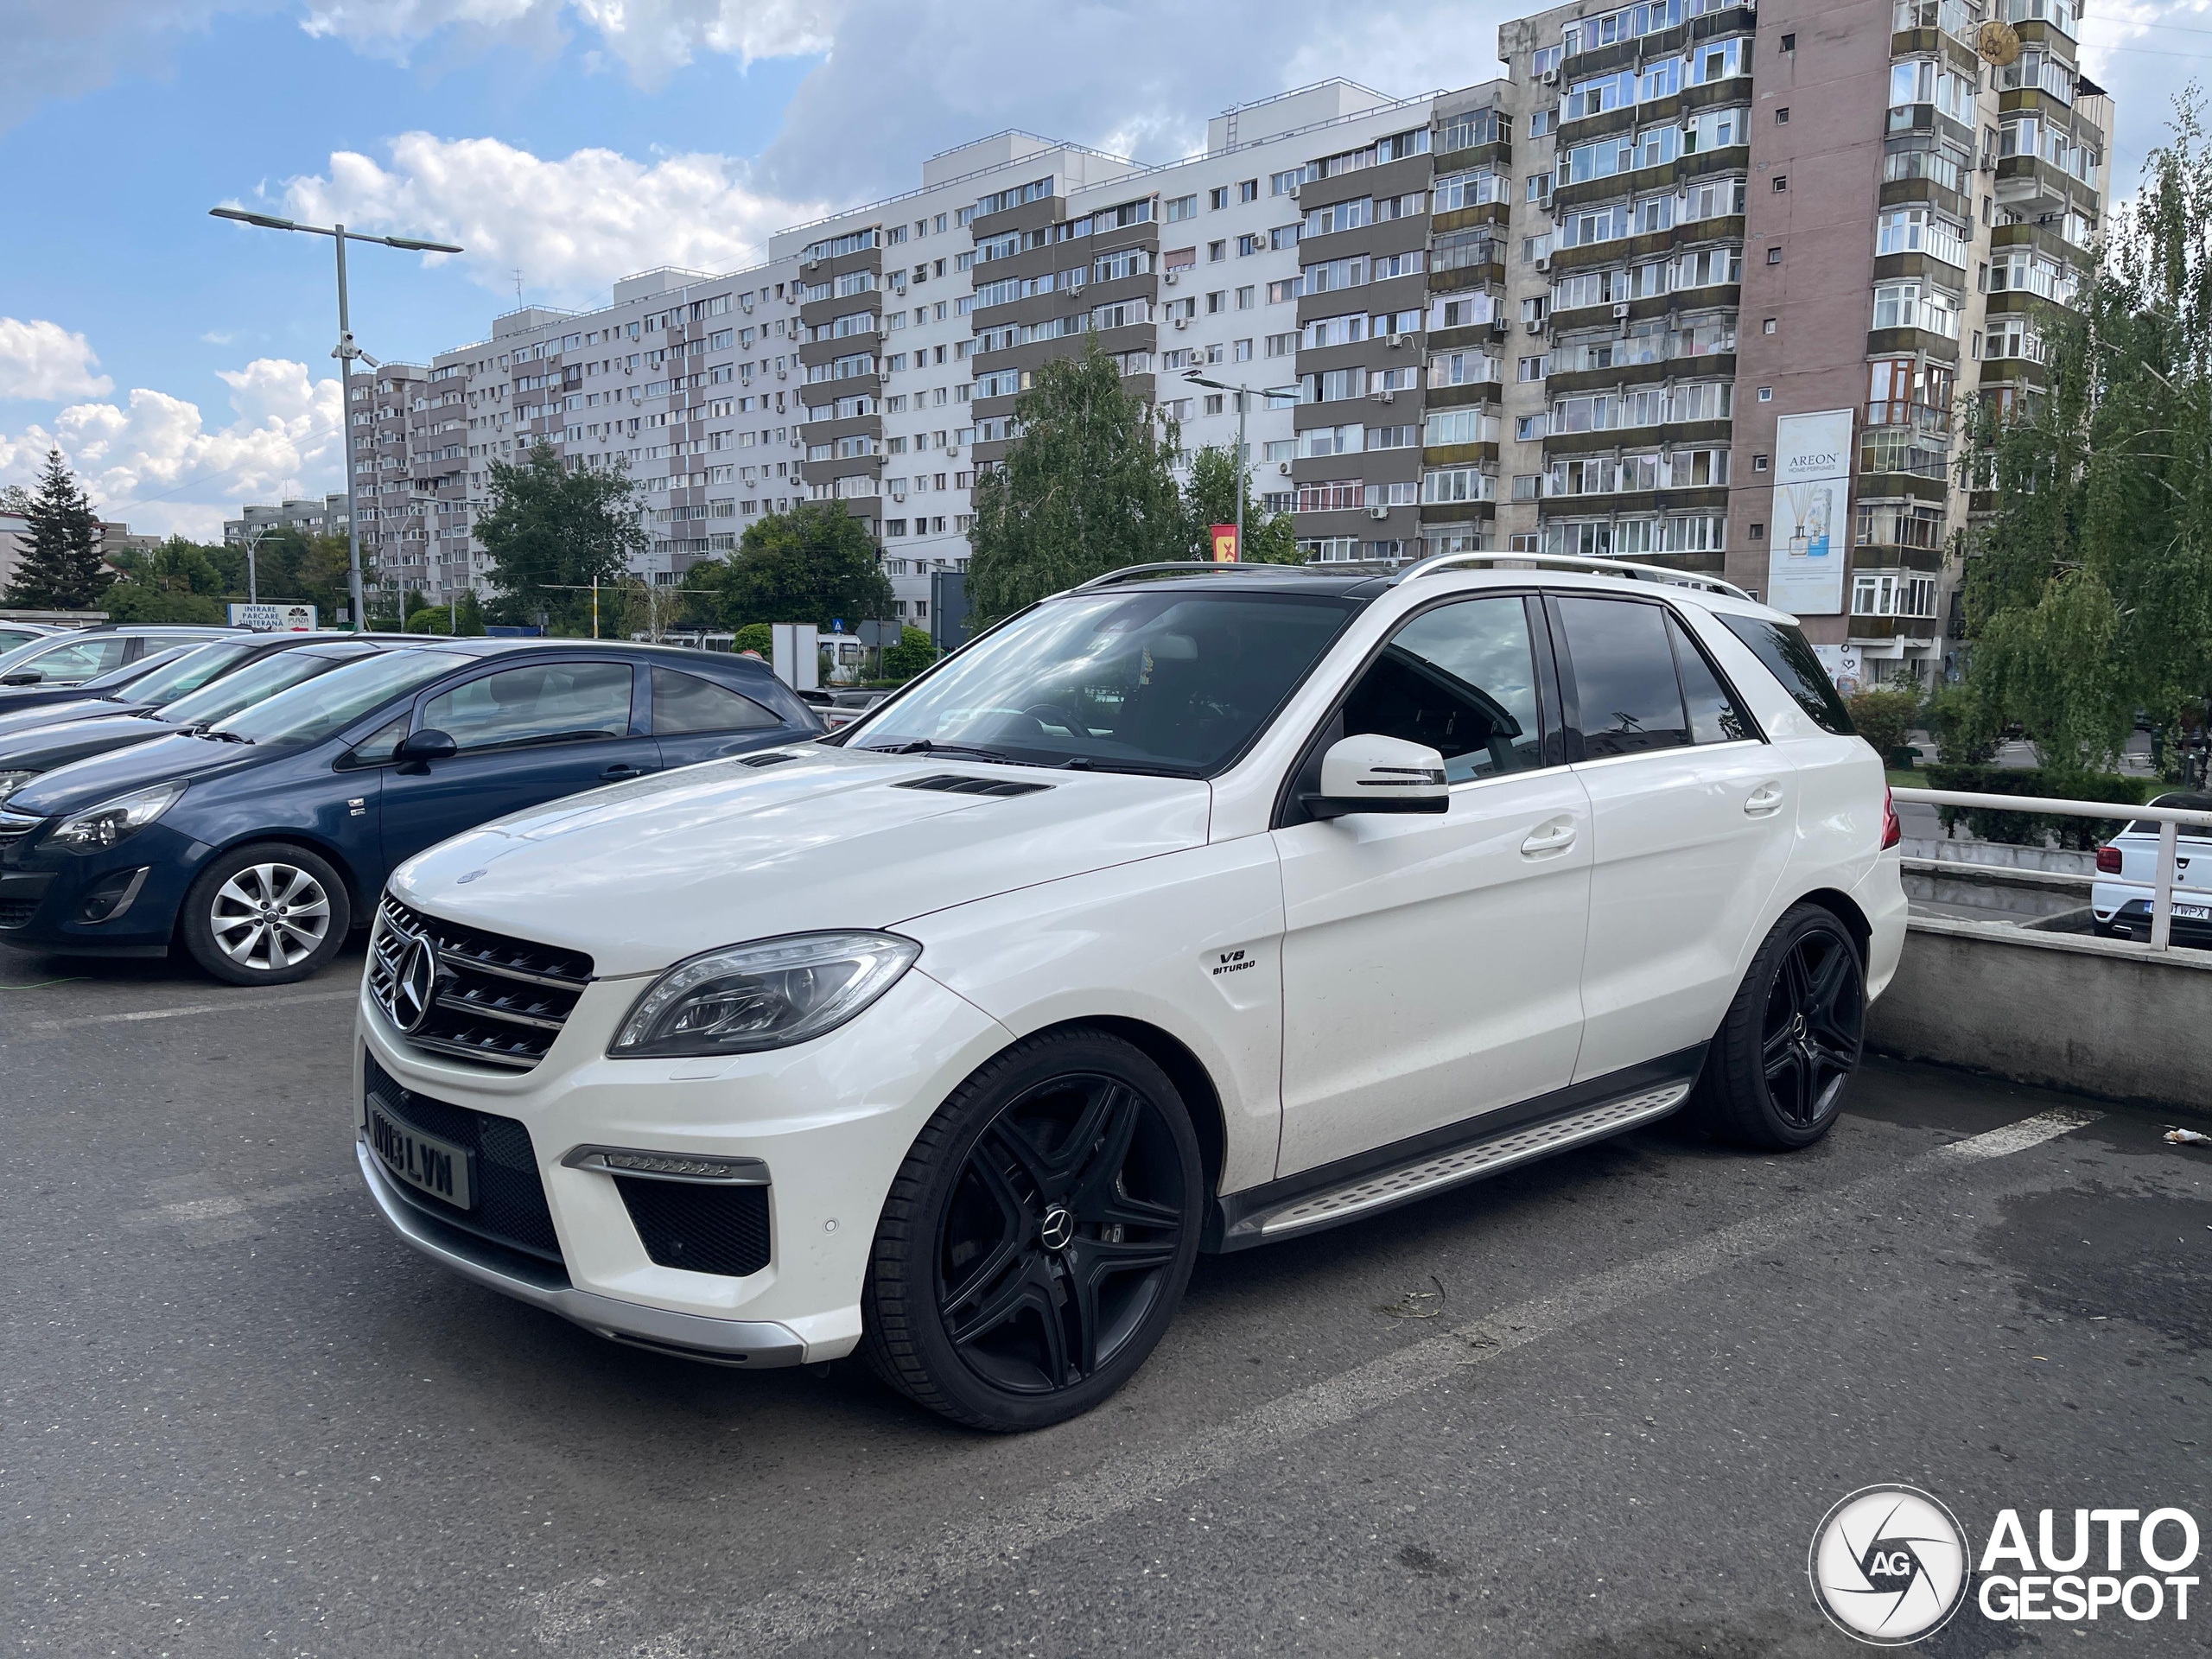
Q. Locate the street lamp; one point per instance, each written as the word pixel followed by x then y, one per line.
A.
pixel 1242 394
pixel 345 352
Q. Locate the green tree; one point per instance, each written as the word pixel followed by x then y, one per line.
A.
pixel 815 564
pixel 754 637
pixel 60 567
pixel 177 581
pixel 913 653
pixel 550 533
pixel 441 619
pixel 1210 498
pixel 2088 588
pixel 1088 485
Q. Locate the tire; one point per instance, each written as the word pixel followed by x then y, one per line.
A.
pixel 1038 1236
pixel 1776 1071
pixel 269 914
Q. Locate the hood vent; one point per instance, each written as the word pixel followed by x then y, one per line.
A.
pixel 765 759
pixel 947 782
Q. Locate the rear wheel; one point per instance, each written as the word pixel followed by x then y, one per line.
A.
pixel 266 914
pixel 1792 1036
pixel 1037 1237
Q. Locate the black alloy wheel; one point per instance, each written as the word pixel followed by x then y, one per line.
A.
pixel 1038 1236
pixel 1792 1036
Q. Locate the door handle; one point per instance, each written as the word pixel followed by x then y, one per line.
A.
pixel 1765 801
pixel 616 773
pixel 1555 836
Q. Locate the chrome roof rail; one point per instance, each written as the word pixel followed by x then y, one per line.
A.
pixel 1622 568
pixel 1139 572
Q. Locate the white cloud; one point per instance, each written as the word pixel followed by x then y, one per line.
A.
pixel 62 48
pixel 650 38
pixel 44 360
pixel 570 226
pixel 154 461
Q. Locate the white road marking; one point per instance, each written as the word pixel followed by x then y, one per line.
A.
pixel 240 1005
pixel 882 1582
pixel 207 1213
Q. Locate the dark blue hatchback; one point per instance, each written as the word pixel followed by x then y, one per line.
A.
pixel 257 842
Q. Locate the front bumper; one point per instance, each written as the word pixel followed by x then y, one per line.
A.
pixel 832 1120
pixel 44 892
pixel 760 1343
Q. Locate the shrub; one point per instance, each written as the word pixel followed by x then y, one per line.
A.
pixel 754 636
pixel 2030 829
pixel 909 657
pixel 1885 719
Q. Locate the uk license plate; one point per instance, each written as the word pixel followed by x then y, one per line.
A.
pixel 424 1162
pixel 2193 912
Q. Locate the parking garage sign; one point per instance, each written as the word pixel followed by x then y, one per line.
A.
pixel 274 619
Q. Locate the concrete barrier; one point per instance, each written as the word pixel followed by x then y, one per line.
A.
pixel 2062 1011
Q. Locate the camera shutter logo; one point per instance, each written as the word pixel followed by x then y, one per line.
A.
pixel 1889 1566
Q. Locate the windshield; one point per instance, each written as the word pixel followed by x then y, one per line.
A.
pixel 250 685
pixel 329 703
pixel 188 673
pixel 1148 682
pixel 117 679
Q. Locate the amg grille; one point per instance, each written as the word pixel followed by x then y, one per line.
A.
pixel 705 1228
pixel 496 1001
pixel 949 783
pixel 510 1198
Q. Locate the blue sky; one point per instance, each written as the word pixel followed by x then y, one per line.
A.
pixel 183 363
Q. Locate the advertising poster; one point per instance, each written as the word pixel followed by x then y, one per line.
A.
pixel 1809 533
pixel 1225 544
pixel 275 618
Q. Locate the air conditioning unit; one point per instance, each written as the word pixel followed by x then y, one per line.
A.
pixel 1543 262
pixel 1379 512
pixel 1549 78
pixel 1169 279
pixel 898 495
pixel 1293 192
pixel 1620 312
pixel 1397 341
pixel 1536 325
pixel 1386 397
pixel 1283 467
pixel 1182 322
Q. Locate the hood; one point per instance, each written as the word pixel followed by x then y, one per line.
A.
pixel 14 719
pixel 41 748
pixel 643 874
pixel 86 782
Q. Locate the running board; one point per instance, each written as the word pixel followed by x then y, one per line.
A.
pixel 1420 1176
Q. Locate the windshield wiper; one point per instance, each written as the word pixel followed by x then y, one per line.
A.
pixel 923 746
pixel 210 733
pixel 1088 763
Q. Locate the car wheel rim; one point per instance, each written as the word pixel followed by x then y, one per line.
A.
pixel 270 917
pixel 1061 1234
pixel 1810 1038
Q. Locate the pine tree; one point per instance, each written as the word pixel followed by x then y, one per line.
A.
pixel 60 567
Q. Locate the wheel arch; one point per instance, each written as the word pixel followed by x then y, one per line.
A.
pixel 1845 909
pixel 1184 1069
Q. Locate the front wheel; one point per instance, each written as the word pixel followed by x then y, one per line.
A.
pixel 267 914
pixel 1038 1236
pixel 1792 1038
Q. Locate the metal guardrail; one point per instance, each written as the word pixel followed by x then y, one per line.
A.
pixel 2170 820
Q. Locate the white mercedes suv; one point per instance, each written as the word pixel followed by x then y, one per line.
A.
pixel 1194 909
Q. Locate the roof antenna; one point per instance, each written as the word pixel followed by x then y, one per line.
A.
pixel 517 276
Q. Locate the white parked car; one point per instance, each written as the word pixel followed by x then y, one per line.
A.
pixel 1189 910
pixel 2128 877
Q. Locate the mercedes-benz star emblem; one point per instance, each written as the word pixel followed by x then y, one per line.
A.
pixel 1057 1231
pixel 415 987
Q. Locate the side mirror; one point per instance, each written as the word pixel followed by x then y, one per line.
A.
pixel 1373 774
pixel 417 749
pixel 27 678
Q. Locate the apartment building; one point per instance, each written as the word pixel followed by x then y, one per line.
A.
pixel 1782 247
pixel 310 516
pixel 1695 281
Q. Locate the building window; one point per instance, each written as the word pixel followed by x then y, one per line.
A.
pixel 1249 190
pixel 1773 255
pixel 1217 197
pixel 1766 394
pixel 1757 531
pixel 1217 250
pixel 1789 43
pixel 1781 117
pixel 1758 463
pixel 1767 328
pixel 1781 183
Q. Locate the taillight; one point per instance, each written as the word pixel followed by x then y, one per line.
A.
pixel 1892 831
pixel 2107 861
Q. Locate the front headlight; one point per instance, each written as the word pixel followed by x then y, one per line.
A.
pixel 770 994
pixel 110 820
pixel 12 781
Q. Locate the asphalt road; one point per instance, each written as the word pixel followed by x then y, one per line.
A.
pixel 239 1417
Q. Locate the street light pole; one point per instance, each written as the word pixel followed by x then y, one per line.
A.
pixel 345 352
pixel 1243 403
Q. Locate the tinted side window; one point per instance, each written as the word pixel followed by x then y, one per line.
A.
pixel 76 660
pixel 1628 700
pixel 1460 679
pixel 1714 718
pixel 1790 659
pixel 684 703
pixel 552 703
